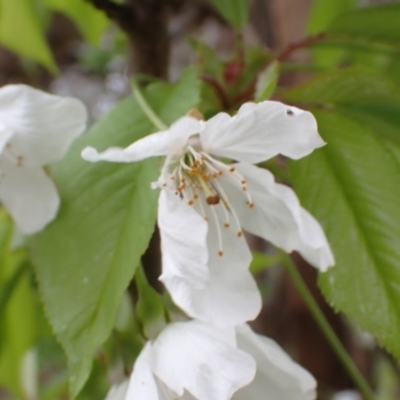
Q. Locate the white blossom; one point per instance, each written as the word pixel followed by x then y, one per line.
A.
pixel 36 129
pixel 195 361
pixel 205 203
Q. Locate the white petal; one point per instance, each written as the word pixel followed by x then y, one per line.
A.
pixel 169 142
pixel 29 195
pixel 278 376
pixel 44 125
pixel 183 241
pixel 230 297
pixel 142 383
pixel 277 216
pixel 118 392
pixel 201 359
pixel 261 131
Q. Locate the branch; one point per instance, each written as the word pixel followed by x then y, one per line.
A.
pixel 294 46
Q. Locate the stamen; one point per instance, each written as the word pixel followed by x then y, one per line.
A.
pixel 220 252
pixel 226 205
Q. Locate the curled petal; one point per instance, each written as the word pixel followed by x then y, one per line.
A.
pixel 261 131
pixel 142 384
pixel 43 125
pixel 278 376
pixel 118 392
pixel 29 195
pixel 230 296
pixel 169 142
pixel 201 359
pixel 277 216
pixel 183 241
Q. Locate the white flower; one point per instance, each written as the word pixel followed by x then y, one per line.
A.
pixel 36 129
pixel 195 361
pixel 278 376
pixel 205 203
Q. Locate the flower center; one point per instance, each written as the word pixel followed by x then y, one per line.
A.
pixel 196 177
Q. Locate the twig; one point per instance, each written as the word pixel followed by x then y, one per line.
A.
pixel 300 44
pixel 219 90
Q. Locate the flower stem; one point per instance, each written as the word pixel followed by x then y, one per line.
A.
pixel 329 333
pixel 144 105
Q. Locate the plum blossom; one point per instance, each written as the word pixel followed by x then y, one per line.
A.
pixel 195 361
pixel 36 129
pixel 206 203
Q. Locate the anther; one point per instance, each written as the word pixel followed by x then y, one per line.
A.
pixel 190 202
pixel 226 225
pixel 240 233
pixel 220 253
pixel 212 200
pixel 250 204
pixel 232 169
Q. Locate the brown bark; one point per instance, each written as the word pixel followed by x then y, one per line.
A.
pixel 145 22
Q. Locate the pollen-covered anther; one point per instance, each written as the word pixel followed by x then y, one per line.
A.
pixel 191 202
pixel 196 196
pixel 213 200
pixel 250 204
pixel 244 188
pixel 232 169
pixel 240 233
pixel 220 253
pixel 227 225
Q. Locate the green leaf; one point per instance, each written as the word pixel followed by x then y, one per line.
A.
pixel 323 12
pixel 380 23
pixel 87 257
pixel 207 60
pixel 18 311
pixel 90 21
pixel 350 87
pixel 20 31
pixel 266 82
pixel 149 308
pixel 352 186
pixel 235 12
